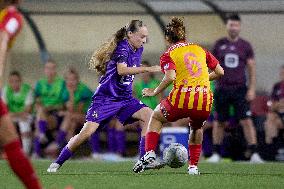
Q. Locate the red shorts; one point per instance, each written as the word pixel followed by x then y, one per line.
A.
pixel 3 108
pixel 171 113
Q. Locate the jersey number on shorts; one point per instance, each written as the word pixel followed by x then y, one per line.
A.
pixel 193 66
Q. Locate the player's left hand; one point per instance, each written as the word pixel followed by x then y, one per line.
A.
pixel 250 95
pixel 148 92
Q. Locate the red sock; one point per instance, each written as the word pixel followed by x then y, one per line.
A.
pixel 194 153
pixel 151 141
pixel 21 165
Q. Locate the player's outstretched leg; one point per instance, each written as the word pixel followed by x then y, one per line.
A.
pixel 64 155
pixel 151 143
pixel 88 129
pixel 148 161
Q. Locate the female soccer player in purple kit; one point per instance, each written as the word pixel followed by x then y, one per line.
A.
pixel 117 61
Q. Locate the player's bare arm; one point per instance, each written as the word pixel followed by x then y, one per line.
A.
pixel 170 76
pixel 217 73
pixel 122 69
pixel 252 79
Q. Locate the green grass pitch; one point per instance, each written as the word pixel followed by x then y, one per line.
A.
pixel 82 174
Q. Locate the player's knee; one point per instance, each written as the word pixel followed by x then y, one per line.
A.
pixel 146 114
pixel 155 115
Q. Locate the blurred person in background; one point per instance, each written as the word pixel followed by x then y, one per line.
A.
pixel 49 101
pixel 186 65
pixel 275 117
pixel 77 97
pixel 207 145
pixel 116 141
pixel 10 26
pixel 236 56
pixel 147 80
pixel 117 61
pixel 19 99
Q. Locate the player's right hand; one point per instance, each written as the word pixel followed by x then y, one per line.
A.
pixel 148 92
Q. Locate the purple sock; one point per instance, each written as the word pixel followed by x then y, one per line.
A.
pixel 60 139
pixel 42 125
pixel 111 139
pixel 95 142
pixel 120 142
pixel 64 155
pixel 37 147
pixel 142 147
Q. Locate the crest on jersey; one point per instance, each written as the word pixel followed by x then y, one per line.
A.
pixel 95 114
pixel 223 47
pixel 166 66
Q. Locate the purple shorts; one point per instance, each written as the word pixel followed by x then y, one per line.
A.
pixel 102 110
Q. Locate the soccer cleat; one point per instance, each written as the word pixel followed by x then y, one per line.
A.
pixel 147 159
pixel 53 168
pixel 155 165
pixel 138 167
pixel 255 158
pixel 193 170
pixel 215 158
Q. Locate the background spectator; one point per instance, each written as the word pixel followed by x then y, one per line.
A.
pixel 147 80
pixel 236 56
pixel 19 99
pixel 49 101
pixel 275 117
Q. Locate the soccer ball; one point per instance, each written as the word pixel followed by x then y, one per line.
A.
pixel 175 155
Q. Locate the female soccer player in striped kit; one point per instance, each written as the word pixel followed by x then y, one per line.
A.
pixel 117 61
pixel 185 65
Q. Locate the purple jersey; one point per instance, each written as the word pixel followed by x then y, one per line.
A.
pixel 278 91
pixel 233 57
pixel 112 85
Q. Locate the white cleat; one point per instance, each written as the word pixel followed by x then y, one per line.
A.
pixel 155 165
pixel 215 158
pixel 193 170
pixel 255 158
pixel 147 159
pixel 53 168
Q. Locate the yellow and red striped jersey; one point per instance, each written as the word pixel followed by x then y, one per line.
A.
pixel 191 86
pixel 11 22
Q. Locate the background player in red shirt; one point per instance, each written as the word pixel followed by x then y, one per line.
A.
pixel 186 66
pixel 10 26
